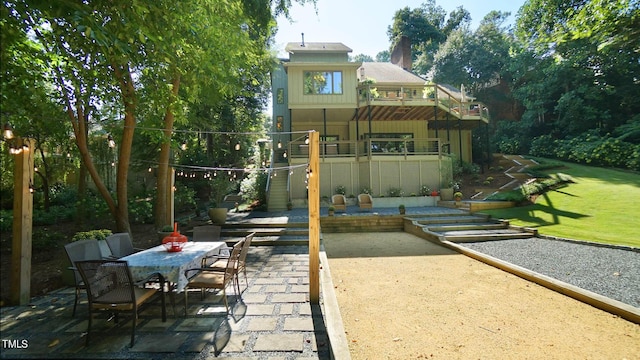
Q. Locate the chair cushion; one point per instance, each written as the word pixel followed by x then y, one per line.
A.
pixel 208 279
pixel 114 299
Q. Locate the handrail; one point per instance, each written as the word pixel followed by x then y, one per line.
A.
pixel 425 94
pixel 368 147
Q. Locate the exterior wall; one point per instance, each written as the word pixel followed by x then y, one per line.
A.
pixel 319 57
pixel 416 127
pixel 280 107
pixel 297 98
pixel 379 174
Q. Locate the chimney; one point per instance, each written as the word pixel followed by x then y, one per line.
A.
pixel 302 40
pixel 401 54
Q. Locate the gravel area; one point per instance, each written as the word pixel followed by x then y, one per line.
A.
pixel 613 272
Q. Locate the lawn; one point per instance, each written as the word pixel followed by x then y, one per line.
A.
pixel 601 206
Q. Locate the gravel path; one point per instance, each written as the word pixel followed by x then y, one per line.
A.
pixel 613 272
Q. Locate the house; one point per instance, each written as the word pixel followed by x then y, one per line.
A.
pixel 381 127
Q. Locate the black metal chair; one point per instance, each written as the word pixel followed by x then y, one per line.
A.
pixel 110 288
pixel 121 245
pixel 78 251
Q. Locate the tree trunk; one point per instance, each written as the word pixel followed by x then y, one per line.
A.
pixel 163 186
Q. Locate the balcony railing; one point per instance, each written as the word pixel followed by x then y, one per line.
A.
pixel 423 95
pixel 369 147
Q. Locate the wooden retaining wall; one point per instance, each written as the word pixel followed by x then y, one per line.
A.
pixel 377 223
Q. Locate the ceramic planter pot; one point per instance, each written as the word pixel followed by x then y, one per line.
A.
pixel 218 216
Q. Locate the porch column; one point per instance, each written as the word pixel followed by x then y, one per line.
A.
pixel 369 116
pixel 460 139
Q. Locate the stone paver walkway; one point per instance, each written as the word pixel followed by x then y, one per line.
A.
pixel 273 320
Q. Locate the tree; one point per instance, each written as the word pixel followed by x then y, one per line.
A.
pixel 159 52
pixel 426 28
pixel 362 58
pixel 383 56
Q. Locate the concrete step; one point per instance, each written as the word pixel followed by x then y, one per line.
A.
pixel 266 231
pixel 467 227
pixel 458 219
pixel 474 236
pixel 270 240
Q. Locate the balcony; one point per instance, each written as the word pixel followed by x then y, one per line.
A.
pixel 369 148
pixel 416 102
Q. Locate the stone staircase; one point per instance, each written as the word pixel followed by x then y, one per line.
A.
pixel 515 166
pixel 278 196
pixel 459 228
pixel 267 234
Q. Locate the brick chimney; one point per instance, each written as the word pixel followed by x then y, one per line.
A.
pixel 401 54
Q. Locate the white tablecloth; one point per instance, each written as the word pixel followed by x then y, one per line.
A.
pixel 171 264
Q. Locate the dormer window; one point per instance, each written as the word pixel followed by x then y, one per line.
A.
pixel 322 82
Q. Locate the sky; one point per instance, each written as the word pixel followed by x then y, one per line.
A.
pixel 362 24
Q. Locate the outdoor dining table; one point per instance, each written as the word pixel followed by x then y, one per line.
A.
pixel 171 264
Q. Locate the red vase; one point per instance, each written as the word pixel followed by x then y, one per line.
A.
pixel 434 193
pixel 174 242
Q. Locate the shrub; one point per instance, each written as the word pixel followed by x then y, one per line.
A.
pixel 254 187
pixel 366 190
pixel 6 220
pixel 395 192
pixel 43 239
pixel 92 234
pixel 141 211
pixel 425 190
pixel 340 190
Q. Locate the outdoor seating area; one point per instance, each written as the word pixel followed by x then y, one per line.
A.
pixel 272 317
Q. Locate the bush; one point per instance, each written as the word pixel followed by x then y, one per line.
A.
pixel 425 190
pixel 44 240
pixel 341 190
pixel 6 220
pixel 254 187
pixel 92 234
pixel 140 211
pixel 395 192
pixel 55 215
pixel 589 148
pixel 63 195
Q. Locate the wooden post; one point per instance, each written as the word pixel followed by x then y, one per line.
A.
pixel 314 217
pixel 22 222
pixel 171 183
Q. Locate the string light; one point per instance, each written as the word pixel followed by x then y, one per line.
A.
pixel 279 144
pixel 237 146
pixel 111 142
pixel 7 131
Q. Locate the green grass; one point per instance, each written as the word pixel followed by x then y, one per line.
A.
pixel 603 205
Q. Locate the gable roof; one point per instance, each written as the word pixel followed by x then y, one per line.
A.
pixel 311 47
pixel 388 73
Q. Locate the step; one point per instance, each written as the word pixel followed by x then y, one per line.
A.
pixel 260 232
pixel 459 219
pixel 475 236
pixel 466 227
pixel 275 240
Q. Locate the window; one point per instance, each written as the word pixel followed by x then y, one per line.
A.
pixel 391 145
pixel 322 82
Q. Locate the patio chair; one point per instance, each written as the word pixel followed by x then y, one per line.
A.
pixel 339 202
pixel 110 288
pixel 121 245
pixel 365 201
pixel 210 278
pixel 242 262
pixel 78 251
pixel 207 233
